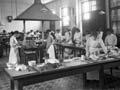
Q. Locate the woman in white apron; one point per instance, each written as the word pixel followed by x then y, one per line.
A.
pixel 92 50
pixel 14 53
pixel 50 46
pixel 93 43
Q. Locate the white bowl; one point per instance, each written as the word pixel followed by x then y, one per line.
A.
pixel 31 63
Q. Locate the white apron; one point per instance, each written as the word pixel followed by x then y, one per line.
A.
pixel 51 52
pixel 14 53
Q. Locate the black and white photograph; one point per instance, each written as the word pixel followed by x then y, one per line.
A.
pixel 59 44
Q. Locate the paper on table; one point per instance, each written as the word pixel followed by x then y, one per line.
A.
pixel 68 60
pixel 74 63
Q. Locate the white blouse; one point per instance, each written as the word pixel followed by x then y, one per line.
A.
pixel 92 45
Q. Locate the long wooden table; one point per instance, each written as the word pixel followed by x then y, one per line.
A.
pixel 27 78
pixel 61 47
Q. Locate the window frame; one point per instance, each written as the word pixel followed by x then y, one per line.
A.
pixel 90 8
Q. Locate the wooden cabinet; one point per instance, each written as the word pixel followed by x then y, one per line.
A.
pixel 115 15
pixel 115 18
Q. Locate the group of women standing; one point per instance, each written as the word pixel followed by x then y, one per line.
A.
pixel 94 42
pixel 14 58
pixel 70 37
pixel 95 45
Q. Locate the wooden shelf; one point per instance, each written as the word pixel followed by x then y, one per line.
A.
pixel 115 7
pixel 115 16
pixel 115 20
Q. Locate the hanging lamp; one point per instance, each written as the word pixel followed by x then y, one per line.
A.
pixel 38 12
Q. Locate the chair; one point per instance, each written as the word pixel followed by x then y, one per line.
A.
pixel 5 44
pixel 58 51
pixel 30 54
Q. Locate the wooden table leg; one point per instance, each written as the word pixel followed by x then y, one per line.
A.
pixel 12 86
pixel 101 78
pixel 19 85
pixel 84 80
pixel 62 52
pixel 74 51
pixel 111 71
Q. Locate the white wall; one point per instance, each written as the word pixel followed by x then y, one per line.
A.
pixel 8 9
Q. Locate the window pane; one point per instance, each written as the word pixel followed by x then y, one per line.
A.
pixel 94 8
pixel 93 2
pixel 118 25
pixel 86 7
pixel 66 21
pixel 86 16
pixel 65 12
pixel 114 15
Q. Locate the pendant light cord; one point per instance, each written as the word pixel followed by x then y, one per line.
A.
pixel 16 7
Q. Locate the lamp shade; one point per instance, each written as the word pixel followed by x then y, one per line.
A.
pixel 38 11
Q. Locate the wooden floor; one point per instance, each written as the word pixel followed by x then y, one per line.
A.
pixel 66 83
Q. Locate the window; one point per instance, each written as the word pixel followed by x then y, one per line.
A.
pixel 86 16
pixel 65 16
pixel 93 5
pixel 87 7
